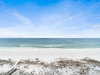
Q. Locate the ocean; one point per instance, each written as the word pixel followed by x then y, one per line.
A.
pixel 51 42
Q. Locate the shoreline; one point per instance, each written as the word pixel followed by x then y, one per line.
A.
pixel 43 48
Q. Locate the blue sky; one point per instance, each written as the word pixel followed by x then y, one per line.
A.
pixel 50 18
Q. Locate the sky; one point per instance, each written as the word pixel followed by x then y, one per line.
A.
pixel 50 18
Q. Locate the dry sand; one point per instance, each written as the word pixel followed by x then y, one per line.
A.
pixel 48 54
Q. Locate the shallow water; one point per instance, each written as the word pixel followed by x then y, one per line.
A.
pixel 51 42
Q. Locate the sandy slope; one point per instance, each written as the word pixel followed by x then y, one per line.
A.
pixel 61 66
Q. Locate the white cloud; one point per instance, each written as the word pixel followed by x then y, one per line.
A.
pixel 4 32
pixel 93 32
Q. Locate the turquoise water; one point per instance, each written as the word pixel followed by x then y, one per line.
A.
pixel 51 42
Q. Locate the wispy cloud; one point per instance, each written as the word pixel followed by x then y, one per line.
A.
pixel 22 18
pixel 96 26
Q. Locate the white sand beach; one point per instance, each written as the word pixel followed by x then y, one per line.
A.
pixel 20 61
pixel 48 54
